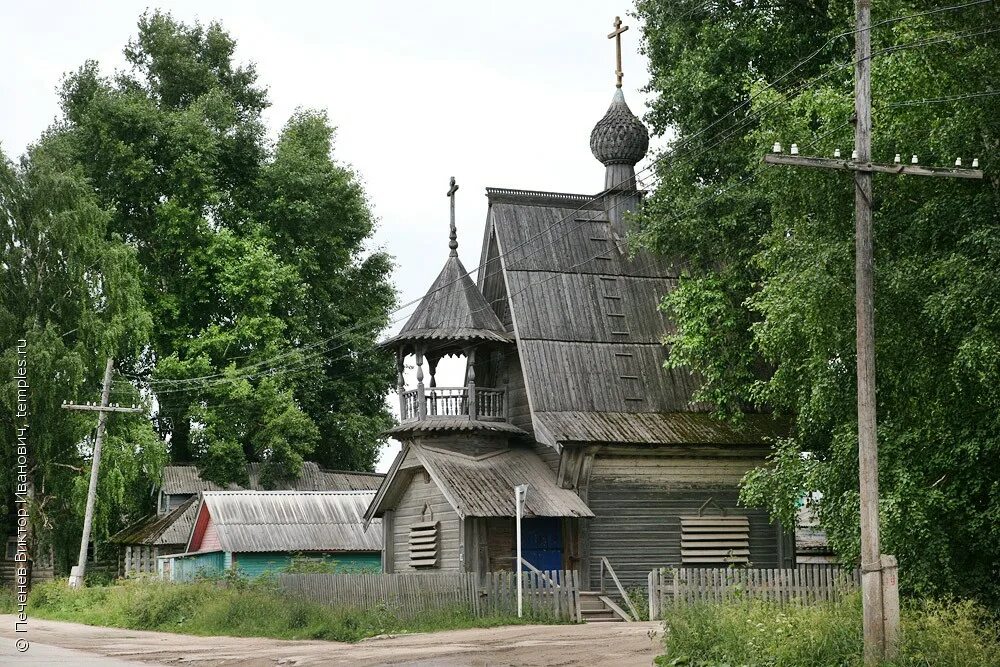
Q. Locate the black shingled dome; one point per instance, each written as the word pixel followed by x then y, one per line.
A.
pixel 619 137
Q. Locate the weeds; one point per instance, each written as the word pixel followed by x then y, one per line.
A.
pixel 762 634
pixel 239 608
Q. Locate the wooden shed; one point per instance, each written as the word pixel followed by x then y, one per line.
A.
pixel 142 543
pixel 256 532
pixel 566 390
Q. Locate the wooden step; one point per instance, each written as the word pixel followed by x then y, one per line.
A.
pixel 591 603
pixel 605 618
pixel 594 608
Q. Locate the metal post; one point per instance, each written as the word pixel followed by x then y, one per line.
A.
pixel 471 384
pixel 520 492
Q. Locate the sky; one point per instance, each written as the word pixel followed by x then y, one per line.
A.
pixel 494 94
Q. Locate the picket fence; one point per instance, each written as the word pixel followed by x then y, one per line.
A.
pixel 551 594
pixel 804 584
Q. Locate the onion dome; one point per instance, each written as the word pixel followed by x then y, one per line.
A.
pixel 619 137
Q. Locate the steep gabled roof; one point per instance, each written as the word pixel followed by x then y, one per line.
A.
pixel 589 330
pixel 452 309
pixel 258 521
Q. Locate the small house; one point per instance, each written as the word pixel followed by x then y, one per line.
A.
pixel 141 543
pixel 166 531
pixel 259 532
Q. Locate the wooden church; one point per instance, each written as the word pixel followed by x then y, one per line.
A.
pixel 565 391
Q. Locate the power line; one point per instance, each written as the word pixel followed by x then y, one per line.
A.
pixel 224 377
pixel 673 154
pixel 533 284
pixel 938 100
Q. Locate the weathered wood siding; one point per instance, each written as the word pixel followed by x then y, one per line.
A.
pixel 168 502
pixel 549 595
pixel 518 410
pixel 421 493
pixel 638 500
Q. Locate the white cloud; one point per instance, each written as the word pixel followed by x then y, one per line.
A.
pixel 498 94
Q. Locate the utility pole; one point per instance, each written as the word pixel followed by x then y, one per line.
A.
pixel 102 410
pixel 878 572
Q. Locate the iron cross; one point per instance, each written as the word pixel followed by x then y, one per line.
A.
pixel 617 36
pixel 453 236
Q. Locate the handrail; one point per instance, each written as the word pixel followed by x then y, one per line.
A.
pixel 540 573
pixel 470 402
pixel 621 589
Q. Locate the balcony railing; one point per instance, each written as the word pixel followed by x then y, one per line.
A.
pixel 487 403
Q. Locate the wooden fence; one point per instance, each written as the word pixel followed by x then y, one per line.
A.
pixel 8 574
pixel 552 593
pixel 805 584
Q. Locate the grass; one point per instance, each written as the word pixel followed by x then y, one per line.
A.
pixel 758 634
pixel 8 601
pixel 235 609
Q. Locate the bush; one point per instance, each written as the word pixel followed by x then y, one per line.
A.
pixel 640 598
pixel 762 634
pixel 237 608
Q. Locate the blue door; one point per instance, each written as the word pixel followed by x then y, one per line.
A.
pixel 541 542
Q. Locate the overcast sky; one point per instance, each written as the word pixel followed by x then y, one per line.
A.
pixel 495 94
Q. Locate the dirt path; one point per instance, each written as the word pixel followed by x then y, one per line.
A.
pixel 613 644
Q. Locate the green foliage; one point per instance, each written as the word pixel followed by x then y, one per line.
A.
pixel 72 290
pixel 303 564
pixel 763 634
pixel 765 306
pixel 640 598
pixel 254 256
pixel 235 608
pixel 155 223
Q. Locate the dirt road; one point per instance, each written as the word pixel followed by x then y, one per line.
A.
pixel 614 644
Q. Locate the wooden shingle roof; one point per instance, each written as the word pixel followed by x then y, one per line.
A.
pixel 453 309
pixel 585 311
pixel 172 528
pixel 481 485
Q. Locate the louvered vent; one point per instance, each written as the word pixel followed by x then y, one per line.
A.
pixel 715 539
pixel 424 544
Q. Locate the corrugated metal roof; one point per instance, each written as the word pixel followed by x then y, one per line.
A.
pixel 181 479
pixel 159 529
pixel 655 428
pixel 254 521
pixel 184 479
